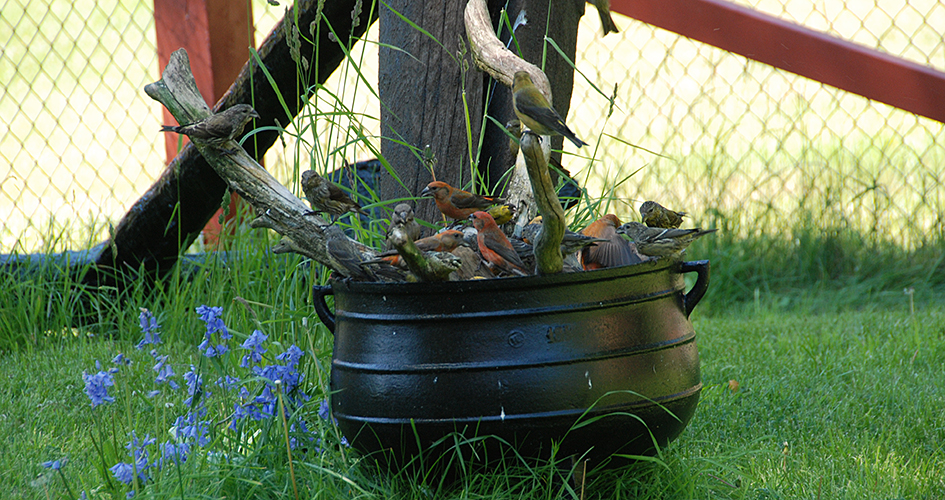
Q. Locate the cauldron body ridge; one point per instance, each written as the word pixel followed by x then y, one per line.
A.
pixel 522 359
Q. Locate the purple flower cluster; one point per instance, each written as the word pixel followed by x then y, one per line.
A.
pixel 257 398
pixel 211 316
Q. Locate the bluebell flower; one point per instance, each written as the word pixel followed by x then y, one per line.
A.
pixel 191 428
pixel 54 464
pixel 255 345
pixel 173 452
pixel 194 386
pixel 324 411
pixel 96 386
pixel 164 371
pixel 227 382
pixel 291 356
pixel 211 316
pixel 150 327
pixel 120 359
pixel 123 472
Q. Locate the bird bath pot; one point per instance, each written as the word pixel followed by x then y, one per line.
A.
pixel 595 363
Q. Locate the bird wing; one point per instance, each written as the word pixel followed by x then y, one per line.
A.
pixel 506 252
pixel 469 200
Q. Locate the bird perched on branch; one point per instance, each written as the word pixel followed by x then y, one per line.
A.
pixel 403 216
pixel 613 252
pixel 456 203
pixel 445 241
pixel 660 242
pixel 656 215
pixel 218 128
pixel 606 20
pixel 535 112
pixel 494 247
pixel 325 196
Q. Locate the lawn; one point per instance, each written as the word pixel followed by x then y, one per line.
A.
pixel 796 404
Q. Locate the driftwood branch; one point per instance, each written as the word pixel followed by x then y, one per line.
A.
pixel 491 56
pixel 548 247
pixel 431 266
pixel 276 207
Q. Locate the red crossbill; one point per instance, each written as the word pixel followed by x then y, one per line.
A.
pixel 616 251
pixel 218 128
pixel 456 203
pixel 659 242
pixel 325 196
pixel 494 247
pixel 535 112
pixel 656 215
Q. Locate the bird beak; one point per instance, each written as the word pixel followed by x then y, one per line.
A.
pixel 425 192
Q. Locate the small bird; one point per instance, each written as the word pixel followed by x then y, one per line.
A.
pixel 218 128
pixel 614 252
pixel 445 241
pixel 656 215
pixel 494 247
pixel 535 112
pixel 403 216
pixel 501 213
pixel 661 242
pixel 456 203
pixel 606 20
pixel 571 242
pixel 325 196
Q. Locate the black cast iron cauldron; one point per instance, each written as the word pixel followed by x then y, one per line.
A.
pixel 523 359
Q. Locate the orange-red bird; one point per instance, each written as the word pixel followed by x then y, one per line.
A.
pixel 445 241
pixel 456 203
pixel 616 251
pixel 494 247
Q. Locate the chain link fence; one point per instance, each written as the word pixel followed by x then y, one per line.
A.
pixel 721 136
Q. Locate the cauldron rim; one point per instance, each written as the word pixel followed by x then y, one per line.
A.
pixel 510 283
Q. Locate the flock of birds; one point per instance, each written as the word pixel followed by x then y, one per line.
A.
pixel 476 232
pixel 483 248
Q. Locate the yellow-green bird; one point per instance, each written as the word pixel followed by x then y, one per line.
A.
pixel 606 20
pixel 656 215
pixel 218 128
pixel 535 112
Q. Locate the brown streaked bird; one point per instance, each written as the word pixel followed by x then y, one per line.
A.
pixel 661 242
pixel 616 251
pixel 456 203
pixel 325 196
pixel 444 241
pixel 535 112
pixel 656 215
pixel 403 216
pixel 218 128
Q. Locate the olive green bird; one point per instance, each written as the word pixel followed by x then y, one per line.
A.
pixel 656 215
pixel 659 242
pixel 535 112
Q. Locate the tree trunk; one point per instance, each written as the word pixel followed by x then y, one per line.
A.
pixel 421 87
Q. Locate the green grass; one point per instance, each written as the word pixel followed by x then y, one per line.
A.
pixel 830 405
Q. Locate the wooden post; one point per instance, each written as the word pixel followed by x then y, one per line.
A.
pixel 217 35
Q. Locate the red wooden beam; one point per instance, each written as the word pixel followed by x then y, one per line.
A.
pixel 800 50
pixel 217 35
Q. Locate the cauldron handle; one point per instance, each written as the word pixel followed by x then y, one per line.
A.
pixel 701 267
pixel 321 307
